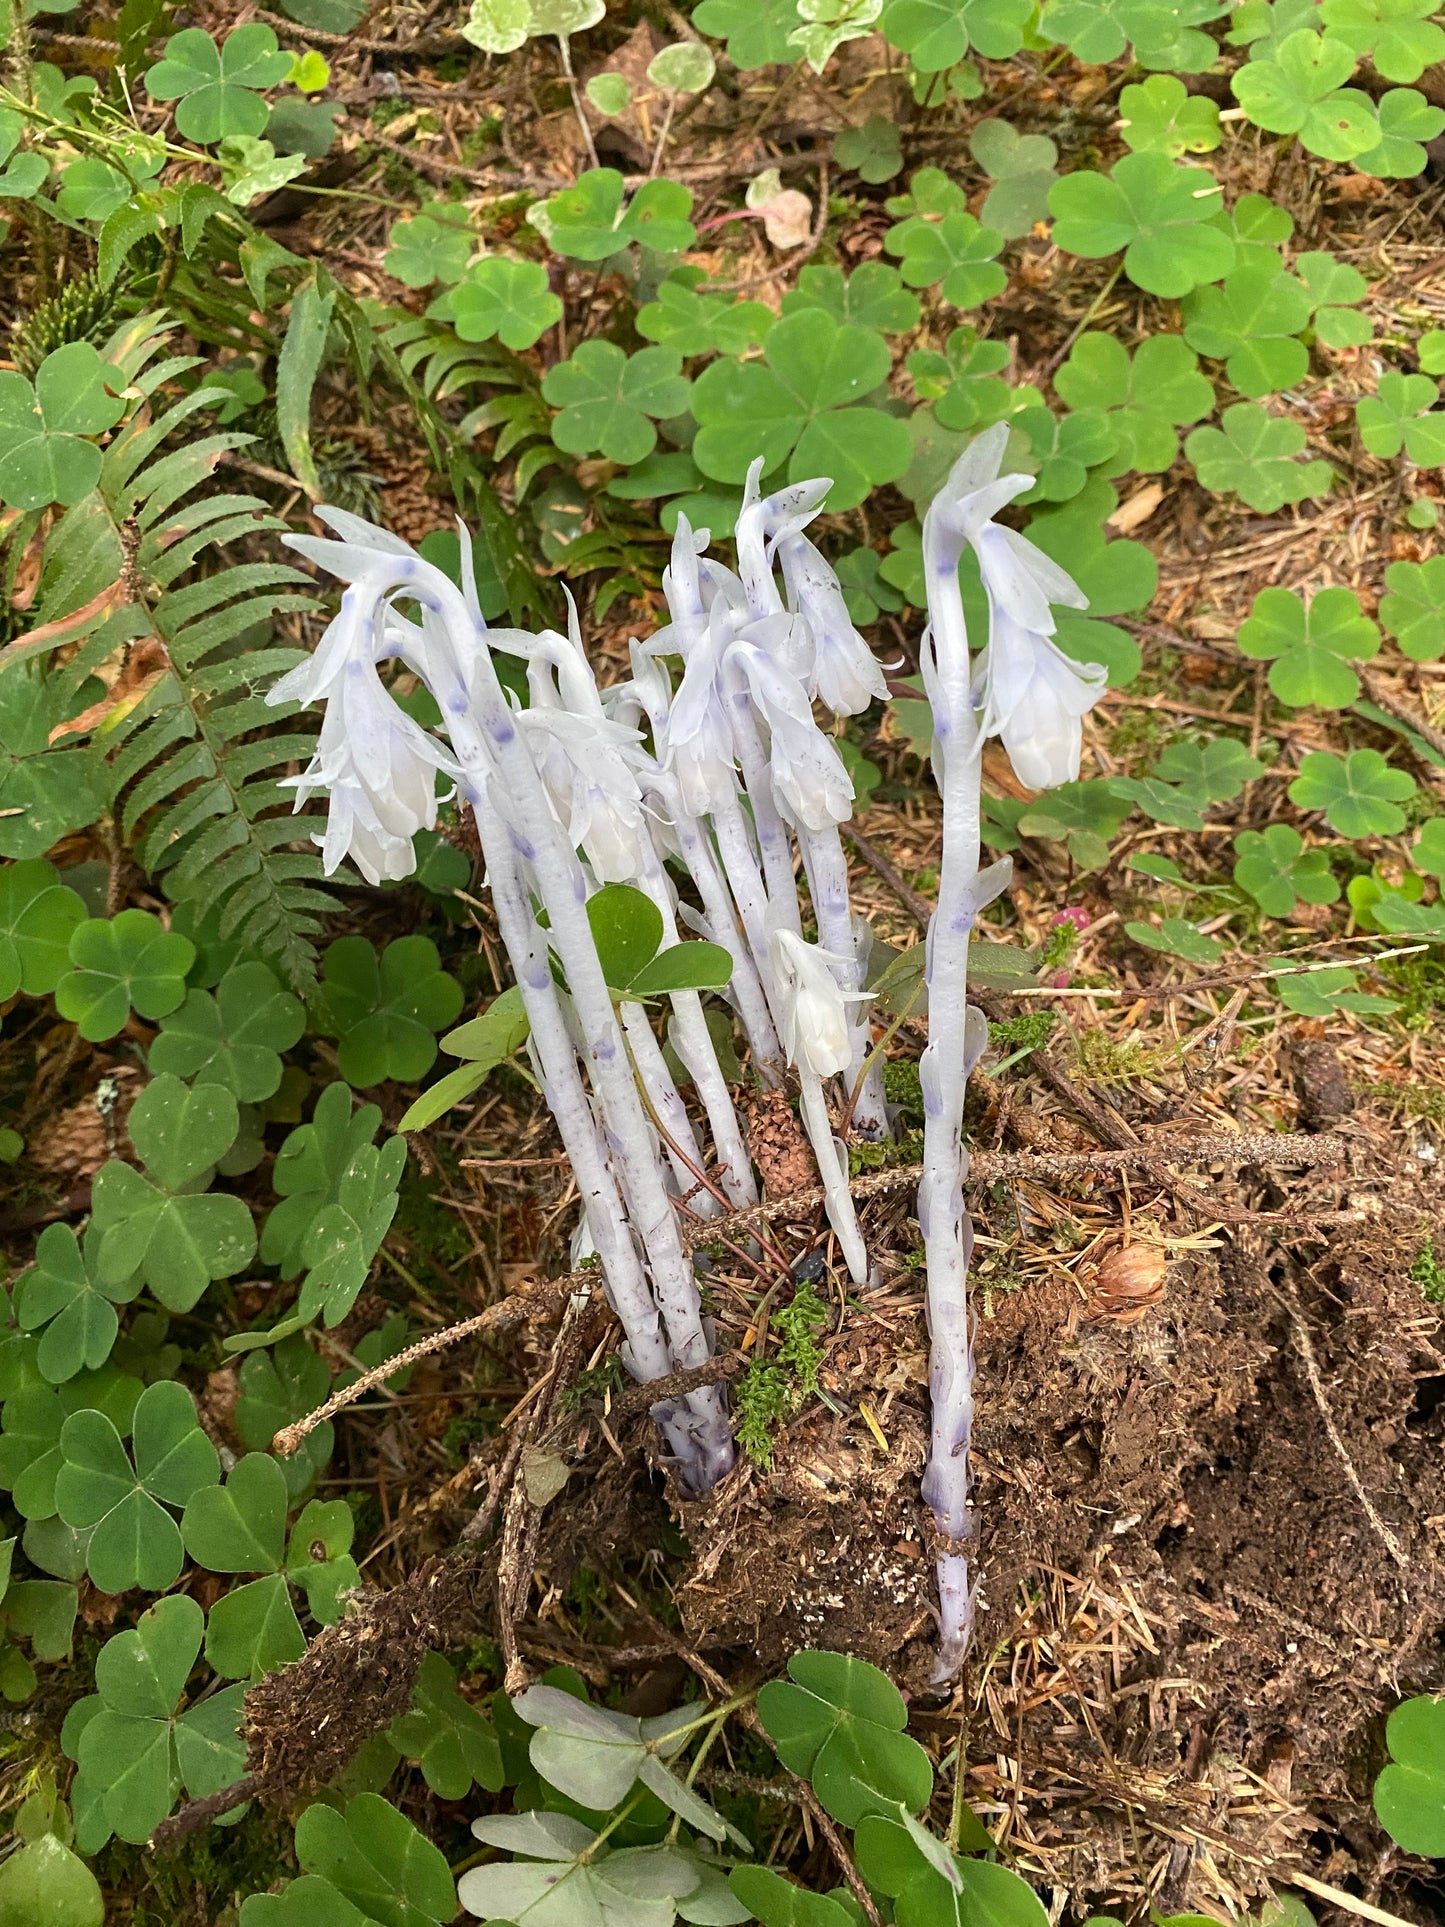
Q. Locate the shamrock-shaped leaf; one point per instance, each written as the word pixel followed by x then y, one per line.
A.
pixel 1360 794
pixel 1097 31
pixel 1160 116
pixel 1320 993
pixel 214 85
pixel 686 67
pixel 90 190
pixel 1403 415
pixel 63 1295
pixel 627 930
pixel 1275 868
pixel 239 1526
pixel 44 454
pixel 1147 397
pixel 487 1041
pixel 1181 808
pixel 34 1418
pixel 1216 770
pixel 873 296
pixel 864 589
pixel 1264 25
pixel 434 245
pixel 757 31
pixel 872 150
pixel 134 1753
pixel 498 26
pixel 38 915
pixel 1428 854
pixel 1406 122
pixel 374 1856
pixel 840 1723
pixel 606 398
pixel 1155 210
pixel 338 1198
pixel 589 222
pixel 829 24
pixel 1413 611
pixel 1401 37
pixel 119 964
pixel 570 1874
pixel 691 322
pixel 235 1037
pixel 1022 166
pixel 253 1629
pixel 134 1541
pixel 453 1744
pixel 1301 91
pixel 1334 288
pixel 964 381
pixel 1066 449
pixel 318 1557
pixel 251 168
pixel 1253 455
pixel 1410 1793
pixel 952 250
pixel 594 1755
pixel 1311 647
pixel 930 1887
pixel 799 404
pixel 157 1228
pixel 386 1012
pixel 1251 323
pixel 778 1903
pixel 502 297
pixel 1176 937
pixel 277 1388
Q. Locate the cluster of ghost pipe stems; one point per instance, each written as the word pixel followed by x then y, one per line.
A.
pixel 734 784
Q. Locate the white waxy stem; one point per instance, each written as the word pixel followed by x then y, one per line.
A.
pixel 816 1038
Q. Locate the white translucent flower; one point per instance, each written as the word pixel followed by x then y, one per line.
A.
pixel 814 1007
pixel 809 779
pixel 1035 697
pixel 380 769
pixel 699 738
pixel 843 673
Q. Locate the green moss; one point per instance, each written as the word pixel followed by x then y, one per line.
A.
pixel 764 1397
pixel 886 1155
pixel 1429 1273
pixel 1027 1032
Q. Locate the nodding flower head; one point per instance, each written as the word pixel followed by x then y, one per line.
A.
pixel 811 786
pixel 814 1005
pixel 843 672
pixel 585 769
pixel 1035 697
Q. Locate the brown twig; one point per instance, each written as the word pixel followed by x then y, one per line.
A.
pixel 199 1813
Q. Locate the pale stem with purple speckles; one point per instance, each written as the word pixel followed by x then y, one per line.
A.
pixel 827 870
pixel 833 1169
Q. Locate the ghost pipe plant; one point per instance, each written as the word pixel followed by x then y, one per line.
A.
pixel 1023 688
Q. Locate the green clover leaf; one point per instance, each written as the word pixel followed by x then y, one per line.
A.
pixel 929 1886
pixel 829 25
pixel 954 251
pixel 90 190
pixel 37 917
pixel 434 245
pixel 1253 455
pixel 864 589
pixel 1176 937
pixel 873 151
pixel 134 1541
pixel 1155 210
pixel 44 792
pixel 1310 648
pixel 253 1629
pixel 119 964
pixel 1410 1792
pixel 213 85
pixel 757 31
pixel 386 1012
pixel 936 34
pixel 1360 794
pixel 686 67
pixel 305 127
pixel 233 1038
pixel 1401 37
pixel 43 429
pixel 1022 166
pixel 1258 230
pixel 1097 31
pixel 1251 323
pixel 1403 415
pixel 1160 116
pixel 239 1526
pixel 840 1723
pixel 1300 91
pixel 1264 25
pixel 1275 869
pixel 692 323
pixel 588 222
pixel 63 1294
pixel 504 298
pixel 799 404
pixel 338 1198
pixel 964 381
pixel 34 1418
pixel 1413 610
pixel 606 398
pixel 1066 449
pixel 318 1557
pixel 1147 397
pixel 873 296
pixel 158 1229
pixel 1320 993
pixel 375 1857
pixel 1406 122
pixel 134 1753
pixel 487 1041
pixel 1215 771
pixel 454 1745
pixel 1334 288
pixel 277 1387
pixel 498 26
pixel 610 93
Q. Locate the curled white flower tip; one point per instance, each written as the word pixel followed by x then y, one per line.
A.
pixel 1035 697
pixel 843 672
pixel 813 788
pixel 814 1006
pixel 367 535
